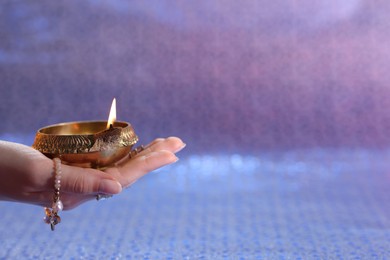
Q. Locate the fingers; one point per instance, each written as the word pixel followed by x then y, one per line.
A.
pixel 152 161
pixel 139 166
pixel 158 153
pixel 88 181
pixel 79 185
pixel 157 140
pixel 172 144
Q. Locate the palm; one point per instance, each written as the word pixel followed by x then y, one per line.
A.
pixel 29 174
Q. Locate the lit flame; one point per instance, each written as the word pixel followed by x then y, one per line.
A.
pixel 112 116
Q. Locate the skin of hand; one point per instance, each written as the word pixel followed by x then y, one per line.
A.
pixel 27 175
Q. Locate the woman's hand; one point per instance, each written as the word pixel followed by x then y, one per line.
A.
pixel 27 175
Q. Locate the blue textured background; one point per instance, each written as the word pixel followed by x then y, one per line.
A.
pixel 308 204
pixel 284 107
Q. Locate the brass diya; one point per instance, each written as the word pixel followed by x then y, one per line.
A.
pixel 87 144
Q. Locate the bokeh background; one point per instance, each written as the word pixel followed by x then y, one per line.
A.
pixel 280 103
pixel 224 76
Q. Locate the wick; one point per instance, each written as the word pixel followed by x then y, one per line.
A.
pixel 111 127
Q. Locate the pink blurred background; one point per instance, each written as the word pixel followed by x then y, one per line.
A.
pixel 225 76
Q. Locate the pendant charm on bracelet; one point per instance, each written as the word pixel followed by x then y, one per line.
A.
pixel 52 216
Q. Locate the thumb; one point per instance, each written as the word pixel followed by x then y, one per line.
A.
pixel 88 181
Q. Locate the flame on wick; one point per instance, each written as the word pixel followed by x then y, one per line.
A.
pixel 112 116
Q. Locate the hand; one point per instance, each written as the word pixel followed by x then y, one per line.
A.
pixel 27 175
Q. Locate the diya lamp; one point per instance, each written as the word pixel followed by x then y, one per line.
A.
pixel 89 144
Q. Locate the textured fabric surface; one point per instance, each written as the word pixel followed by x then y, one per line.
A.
pixel 308 204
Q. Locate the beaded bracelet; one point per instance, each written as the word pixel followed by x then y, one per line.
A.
pixel 52 217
